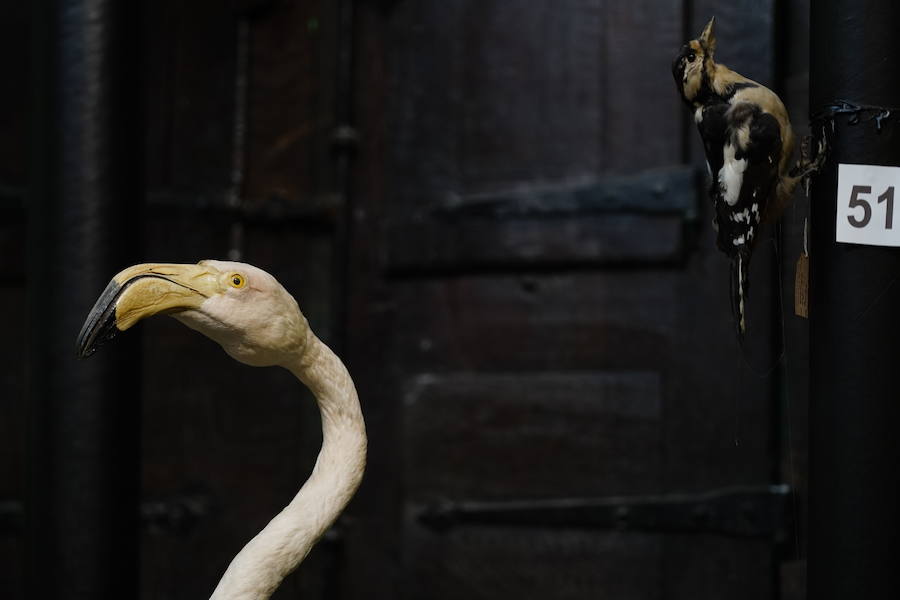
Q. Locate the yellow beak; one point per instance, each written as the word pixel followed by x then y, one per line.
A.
pixel 142 291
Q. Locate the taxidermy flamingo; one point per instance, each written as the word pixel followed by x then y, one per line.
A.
pixel 257 322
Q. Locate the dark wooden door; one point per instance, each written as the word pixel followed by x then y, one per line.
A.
pixel 539 311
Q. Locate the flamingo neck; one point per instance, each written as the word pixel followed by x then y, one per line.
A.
pixel 268 558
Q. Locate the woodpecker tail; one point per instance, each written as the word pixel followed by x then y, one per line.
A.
pixel 739 285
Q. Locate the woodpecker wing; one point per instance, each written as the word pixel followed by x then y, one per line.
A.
pixel 746 181
pixel 713 127
pixel 743 187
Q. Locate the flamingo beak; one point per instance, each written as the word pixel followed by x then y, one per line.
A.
pixel 142 291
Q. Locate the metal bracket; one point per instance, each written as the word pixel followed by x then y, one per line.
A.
pixel 747 512
pixel 639 219
pixel 671 190
pixel 177 515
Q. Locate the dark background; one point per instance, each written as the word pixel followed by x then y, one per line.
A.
pixel 495 212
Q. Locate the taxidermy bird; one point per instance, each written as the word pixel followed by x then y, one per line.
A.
pixel 748 141
pixel 257 322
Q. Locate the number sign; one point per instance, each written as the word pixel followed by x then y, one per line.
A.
pixel 865 205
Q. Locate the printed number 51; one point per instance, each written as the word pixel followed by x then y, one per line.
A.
pixel 855 200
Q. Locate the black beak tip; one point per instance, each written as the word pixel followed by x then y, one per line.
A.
pixel 83 349
pixel 100 325
pixel 81 352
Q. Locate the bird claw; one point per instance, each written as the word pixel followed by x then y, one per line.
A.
pixel 809 163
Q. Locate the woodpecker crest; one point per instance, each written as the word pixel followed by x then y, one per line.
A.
pixel 748 141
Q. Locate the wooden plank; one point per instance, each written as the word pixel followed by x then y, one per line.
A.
pixel 190 86
pixel 626 320
pixel 501 562
pixel 643 126
pixel 507 323
pixel 495 436
pixel 709 566
pixel 290 99
pixel 489 93
pixel 477 244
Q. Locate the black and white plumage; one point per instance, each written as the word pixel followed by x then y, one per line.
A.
pixel 748 141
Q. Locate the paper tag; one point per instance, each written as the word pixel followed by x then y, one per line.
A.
pixel 865 205
pixel 801 287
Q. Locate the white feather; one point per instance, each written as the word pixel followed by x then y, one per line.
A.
pixel 731 176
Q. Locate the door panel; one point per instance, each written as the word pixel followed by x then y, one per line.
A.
pixel 489 93
pixel 500 562
pixel 492 436
pixel 552 317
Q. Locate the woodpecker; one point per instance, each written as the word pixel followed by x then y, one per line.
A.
pixel 749 142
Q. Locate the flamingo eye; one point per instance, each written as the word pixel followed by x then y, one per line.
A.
pixel 237 280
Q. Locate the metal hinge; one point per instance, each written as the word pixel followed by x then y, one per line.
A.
pixel 749 512
pixel 176 515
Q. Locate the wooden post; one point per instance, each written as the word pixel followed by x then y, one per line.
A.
pixel 854 313
pixel 82 513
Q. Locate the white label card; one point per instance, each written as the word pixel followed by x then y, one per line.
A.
pixel 865 205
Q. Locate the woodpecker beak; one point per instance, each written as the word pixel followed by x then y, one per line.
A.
pixel 142 291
